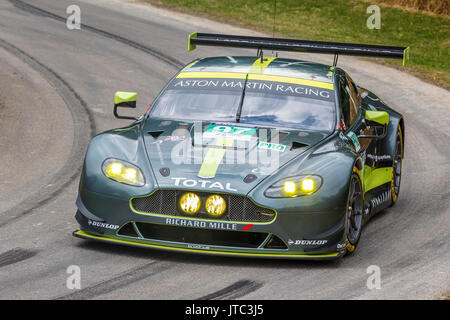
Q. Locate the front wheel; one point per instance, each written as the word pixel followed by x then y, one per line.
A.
pixel 354 214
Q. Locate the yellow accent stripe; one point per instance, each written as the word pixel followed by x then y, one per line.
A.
pixel 406 56
pixel 305 82
pixel 219 75
pixel 262 77
pixel 376 177
pixel 191 64
pixel 123 96
pixel 87 235
pixel 213 158
pixel 259 67
pixel 191 46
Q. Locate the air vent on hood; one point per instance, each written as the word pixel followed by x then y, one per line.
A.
pixel 297 145
pixel 155 134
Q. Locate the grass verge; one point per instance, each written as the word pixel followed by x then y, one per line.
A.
pixel 341 21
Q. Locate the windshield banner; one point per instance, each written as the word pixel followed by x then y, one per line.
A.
pixel 267 87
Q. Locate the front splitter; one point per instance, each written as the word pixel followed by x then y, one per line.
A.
pixel 85 235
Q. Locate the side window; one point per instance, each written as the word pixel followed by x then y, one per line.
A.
pixel 354 102
pixel 344 101
pixel 348 100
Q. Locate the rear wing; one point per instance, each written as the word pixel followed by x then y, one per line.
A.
pixel 261 43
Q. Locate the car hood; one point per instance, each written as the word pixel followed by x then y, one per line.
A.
pixel 238 156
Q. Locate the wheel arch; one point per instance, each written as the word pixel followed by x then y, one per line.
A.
pixel 395 121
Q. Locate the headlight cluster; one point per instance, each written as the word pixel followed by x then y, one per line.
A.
pixel 190 203
pixel 294 187
pixel 124 172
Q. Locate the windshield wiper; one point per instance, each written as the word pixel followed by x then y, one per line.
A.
pixel 239 111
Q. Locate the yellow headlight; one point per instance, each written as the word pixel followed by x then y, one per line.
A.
pixel 130 174
pixel 115 168
pixel 290 187
pixel 123 172
pixel 190 203
pixel 215 205
pixel 307 185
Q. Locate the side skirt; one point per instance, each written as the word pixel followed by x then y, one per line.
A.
pixel 377 200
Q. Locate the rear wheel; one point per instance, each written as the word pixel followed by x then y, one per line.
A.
pixel 397 166
pixel 354 214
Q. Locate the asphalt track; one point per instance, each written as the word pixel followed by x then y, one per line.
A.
pixel 56 92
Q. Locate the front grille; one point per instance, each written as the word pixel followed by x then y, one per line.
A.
pixel 201 236
pixel 239 208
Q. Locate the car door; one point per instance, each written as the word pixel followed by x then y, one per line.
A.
pixel 353 114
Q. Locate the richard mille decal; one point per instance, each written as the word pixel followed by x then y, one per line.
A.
pixel 306 242
pixel 201 224
pixel 102 225
pixel 190 183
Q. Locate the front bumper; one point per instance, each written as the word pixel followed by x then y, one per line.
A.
pixel 148 244
pixel 316 235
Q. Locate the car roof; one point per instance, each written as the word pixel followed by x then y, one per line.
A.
pixel 273 66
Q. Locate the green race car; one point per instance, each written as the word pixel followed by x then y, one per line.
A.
pixel 247 156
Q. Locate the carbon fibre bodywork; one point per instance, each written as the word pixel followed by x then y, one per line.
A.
pixel 312 226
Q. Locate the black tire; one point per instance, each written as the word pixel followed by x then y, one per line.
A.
pixel 397 163
pixel 354 214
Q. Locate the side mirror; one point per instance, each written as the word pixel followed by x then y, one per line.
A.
pixel 125 100
pixel 376 119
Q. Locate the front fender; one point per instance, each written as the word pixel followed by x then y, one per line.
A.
pixel 123 144
pixel 335 168
pixel 387 145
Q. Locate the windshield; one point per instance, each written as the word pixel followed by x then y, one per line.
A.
pixel 197 105
pixel 287 111
pixel 265 103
